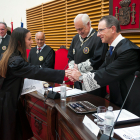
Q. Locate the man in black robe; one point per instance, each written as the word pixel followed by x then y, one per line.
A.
pixel 119 67
pixel 42 54
pixel 86 52
pixel 4 38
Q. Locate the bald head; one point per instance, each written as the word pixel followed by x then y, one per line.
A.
pixel 40 39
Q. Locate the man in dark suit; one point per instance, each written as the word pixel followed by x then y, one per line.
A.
pixel 4 38
pixel 86 52
pixel 42 54
pixel 119 67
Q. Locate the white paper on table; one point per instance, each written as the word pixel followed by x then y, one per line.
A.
pixel 124 115
pixel 57 89
pixel 91 125
pixel 129 133
pixel 75 92
pixel 31 85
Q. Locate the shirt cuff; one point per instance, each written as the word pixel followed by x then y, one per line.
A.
pixel 71 64
pixel 85 67
pixel 89 82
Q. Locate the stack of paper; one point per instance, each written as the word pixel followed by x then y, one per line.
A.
pixel 69 91
pixel 124 115
pixel 129 133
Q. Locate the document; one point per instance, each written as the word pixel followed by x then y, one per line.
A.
pixel 69 91
pixel 57 89
pixel 129 133
pixel 124 115
pixel 31 85
pixel 75 92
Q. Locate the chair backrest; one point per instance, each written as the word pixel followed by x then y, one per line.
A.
pixel 27 52
pixel 61 61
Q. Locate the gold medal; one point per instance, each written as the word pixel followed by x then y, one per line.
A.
pixel 41 58
pixel 86 50
pixel 73 51
pixel 4 48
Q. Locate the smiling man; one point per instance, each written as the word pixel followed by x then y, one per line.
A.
pixel 86 52
pixel 119 67
pixel 4 38
pixel 42 54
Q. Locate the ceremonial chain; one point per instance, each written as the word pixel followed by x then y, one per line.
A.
pixel 86 39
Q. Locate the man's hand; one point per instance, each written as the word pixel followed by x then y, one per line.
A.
pixel 68 73
pixel 76 66
pixel 75 74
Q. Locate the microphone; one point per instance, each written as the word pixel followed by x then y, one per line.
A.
pixel 105 137
pixel 137 74
pixel 66 66
pixel 52 94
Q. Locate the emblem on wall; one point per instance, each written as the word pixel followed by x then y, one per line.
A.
pixel 125 12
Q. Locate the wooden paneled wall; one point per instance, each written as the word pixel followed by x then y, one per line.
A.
pixel 55 19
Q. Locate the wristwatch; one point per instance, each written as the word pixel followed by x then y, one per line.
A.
pixel 81 78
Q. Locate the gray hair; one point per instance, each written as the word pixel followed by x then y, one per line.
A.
pixel 39 32
pixel 85 18
pixel 4 24
pixel 111 21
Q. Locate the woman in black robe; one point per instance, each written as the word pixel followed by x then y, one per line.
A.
pixel 13 69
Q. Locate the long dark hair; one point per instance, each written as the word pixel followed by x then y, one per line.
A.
pixel 16 45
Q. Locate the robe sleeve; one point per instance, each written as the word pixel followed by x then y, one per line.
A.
pixel 126 63
pixel 21 68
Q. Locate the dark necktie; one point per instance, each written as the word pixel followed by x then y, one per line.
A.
pixel 111 50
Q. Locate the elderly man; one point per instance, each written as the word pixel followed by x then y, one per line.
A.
pixel 4 38
pixel 86 52
pixel 118 69
pixel 42 54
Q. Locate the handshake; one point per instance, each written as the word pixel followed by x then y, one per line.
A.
pixel 72 74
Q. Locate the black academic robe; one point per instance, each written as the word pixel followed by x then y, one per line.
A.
pixel 118 72
pixel 12 118
pixel 4 44
pixel 47 54
pixel 96 54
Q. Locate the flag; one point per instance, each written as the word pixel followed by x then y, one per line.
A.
pixel 21 24
pixel 11 27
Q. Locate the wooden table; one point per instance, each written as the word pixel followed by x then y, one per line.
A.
pixel 52 119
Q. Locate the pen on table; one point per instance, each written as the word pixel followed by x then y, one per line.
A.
pixel 98 117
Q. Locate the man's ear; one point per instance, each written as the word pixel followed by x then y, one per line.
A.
pixel 113 29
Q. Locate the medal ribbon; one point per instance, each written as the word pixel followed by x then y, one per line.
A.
pixel 86 39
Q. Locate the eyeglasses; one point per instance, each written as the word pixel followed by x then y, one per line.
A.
pixel 101 30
